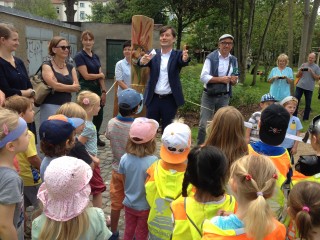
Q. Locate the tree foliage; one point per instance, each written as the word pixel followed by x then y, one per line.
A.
pixel 121 11
pixel 42 8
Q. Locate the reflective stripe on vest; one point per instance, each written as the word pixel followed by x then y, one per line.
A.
pixel 162 187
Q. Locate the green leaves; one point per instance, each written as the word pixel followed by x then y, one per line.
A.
pixel 42 8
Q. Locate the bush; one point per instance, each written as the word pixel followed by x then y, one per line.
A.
pixel 193 87
pixel 244 96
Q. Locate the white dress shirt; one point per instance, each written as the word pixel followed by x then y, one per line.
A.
pixel 163 86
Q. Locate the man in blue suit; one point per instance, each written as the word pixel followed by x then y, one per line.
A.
pixel 163 94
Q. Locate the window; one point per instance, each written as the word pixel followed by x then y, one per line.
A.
pixel 82 15
pixel 57 10
pixel 82 5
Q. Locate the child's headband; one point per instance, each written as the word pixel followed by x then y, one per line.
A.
pixel 14 134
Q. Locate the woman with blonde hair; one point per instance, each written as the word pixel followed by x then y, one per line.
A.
pixel 253 180
pixel 59 75
pixel 227 132
pixel 280 78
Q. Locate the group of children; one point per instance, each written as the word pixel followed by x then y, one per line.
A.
pixel 205 192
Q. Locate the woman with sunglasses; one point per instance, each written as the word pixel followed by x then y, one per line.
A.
pixel 91 76
pixel 58 74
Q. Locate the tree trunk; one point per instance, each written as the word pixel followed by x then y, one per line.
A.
pixel 179 31
pixel 304 34
pixel 70 11
pixel 312 23
pixel 290 39
pixel 263 39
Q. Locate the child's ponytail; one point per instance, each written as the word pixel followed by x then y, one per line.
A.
pixel 304 207
pixel 255 177
pixel 304 222
pixel 258 220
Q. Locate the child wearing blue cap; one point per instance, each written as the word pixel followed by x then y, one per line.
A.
pixel 130 104
pixel 57 137
pixel 252 134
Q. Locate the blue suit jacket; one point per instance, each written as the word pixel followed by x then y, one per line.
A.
pixel 175 64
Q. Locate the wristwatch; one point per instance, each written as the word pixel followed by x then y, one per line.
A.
pixel 33 93
pixel 103 91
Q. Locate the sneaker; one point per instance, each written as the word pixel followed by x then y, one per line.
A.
pixel 114 236
pixel 100 143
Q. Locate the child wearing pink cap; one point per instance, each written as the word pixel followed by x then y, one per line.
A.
pixel 65 198
pixel 165 177
pixel 138 158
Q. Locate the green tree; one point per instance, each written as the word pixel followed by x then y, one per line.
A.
pixel 121 11
pixel 43 8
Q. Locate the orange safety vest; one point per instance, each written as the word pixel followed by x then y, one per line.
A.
pixel 189 215
pixel 212 232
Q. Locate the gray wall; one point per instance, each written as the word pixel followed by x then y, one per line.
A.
pixel 103 32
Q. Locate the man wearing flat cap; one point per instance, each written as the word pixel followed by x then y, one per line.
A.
pixel 219 74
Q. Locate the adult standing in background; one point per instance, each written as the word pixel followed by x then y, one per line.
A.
pixel 123 68
pixel 308 73
pixel 280 78
pixel 163 94
pixel 14 79
pixel 58 74
pixel 13 73
pixel 219 73
pixel 91 76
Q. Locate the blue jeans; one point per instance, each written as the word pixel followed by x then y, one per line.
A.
pixel 213 103
pixel 308 97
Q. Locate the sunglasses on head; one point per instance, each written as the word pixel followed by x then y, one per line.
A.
pixel 313 128
pixel 64 47
pixel 173 149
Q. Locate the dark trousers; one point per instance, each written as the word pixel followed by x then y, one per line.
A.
pixel 308 97
pixel 162 108
pixel 97 120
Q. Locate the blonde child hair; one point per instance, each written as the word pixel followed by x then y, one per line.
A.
pixel 227 132
pixel 18 103
pixel 304 208
pixel 71 109
pixel 254 178
pixel 65 230
pixel 10 119
pixel 87 100
pixel 141 150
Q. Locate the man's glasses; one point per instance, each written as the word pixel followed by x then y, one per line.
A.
pixel 64 47
pixel 227 43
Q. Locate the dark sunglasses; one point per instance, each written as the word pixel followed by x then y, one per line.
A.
pixel 313 128
pixel 64 47
pixel 173 149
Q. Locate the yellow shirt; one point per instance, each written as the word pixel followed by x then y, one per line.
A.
pixel 29 175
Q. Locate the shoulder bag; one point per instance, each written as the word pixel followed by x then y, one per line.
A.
pixel 41 88
pixel 214 89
